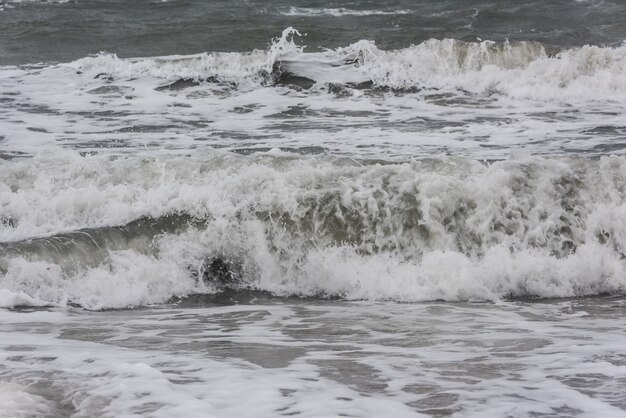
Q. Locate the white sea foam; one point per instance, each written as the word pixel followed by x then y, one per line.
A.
pixel 521 69
pixel 564 358
pixel 110 380
pixel 126 279
pixel 438 97
pixel 10 299
pixel 226 66
pixel 446 228
pixel 450 229
pixel 17 402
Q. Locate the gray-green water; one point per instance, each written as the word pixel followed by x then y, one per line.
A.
pixel 312 208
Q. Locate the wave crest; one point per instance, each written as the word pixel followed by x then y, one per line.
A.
pixel 519 69
pixel 449 228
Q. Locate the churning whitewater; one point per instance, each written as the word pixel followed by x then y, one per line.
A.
pixel 520 69
pixel 120 230
pixel 256 208
pixel 113 232
pixel 478 99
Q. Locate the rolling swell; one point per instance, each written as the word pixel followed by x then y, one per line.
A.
pixel 89 247
pixel 442 228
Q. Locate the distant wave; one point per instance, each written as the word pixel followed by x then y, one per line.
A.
pixel 521 69
pixel 107 233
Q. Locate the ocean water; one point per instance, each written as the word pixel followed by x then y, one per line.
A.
pixel 312 208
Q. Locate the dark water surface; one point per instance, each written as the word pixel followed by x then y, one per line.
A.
pixel 44 31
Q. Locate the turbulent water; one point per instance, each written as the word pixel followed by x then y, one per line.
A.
pixel 415 207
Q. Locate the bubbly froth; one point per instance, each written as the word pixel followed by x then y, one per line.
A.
pixel 516 69
pixel 479 99
pixel 451 229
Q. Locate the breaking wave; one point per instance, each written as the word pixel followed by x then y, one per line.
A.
pixel 519 69
pixel 104 232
